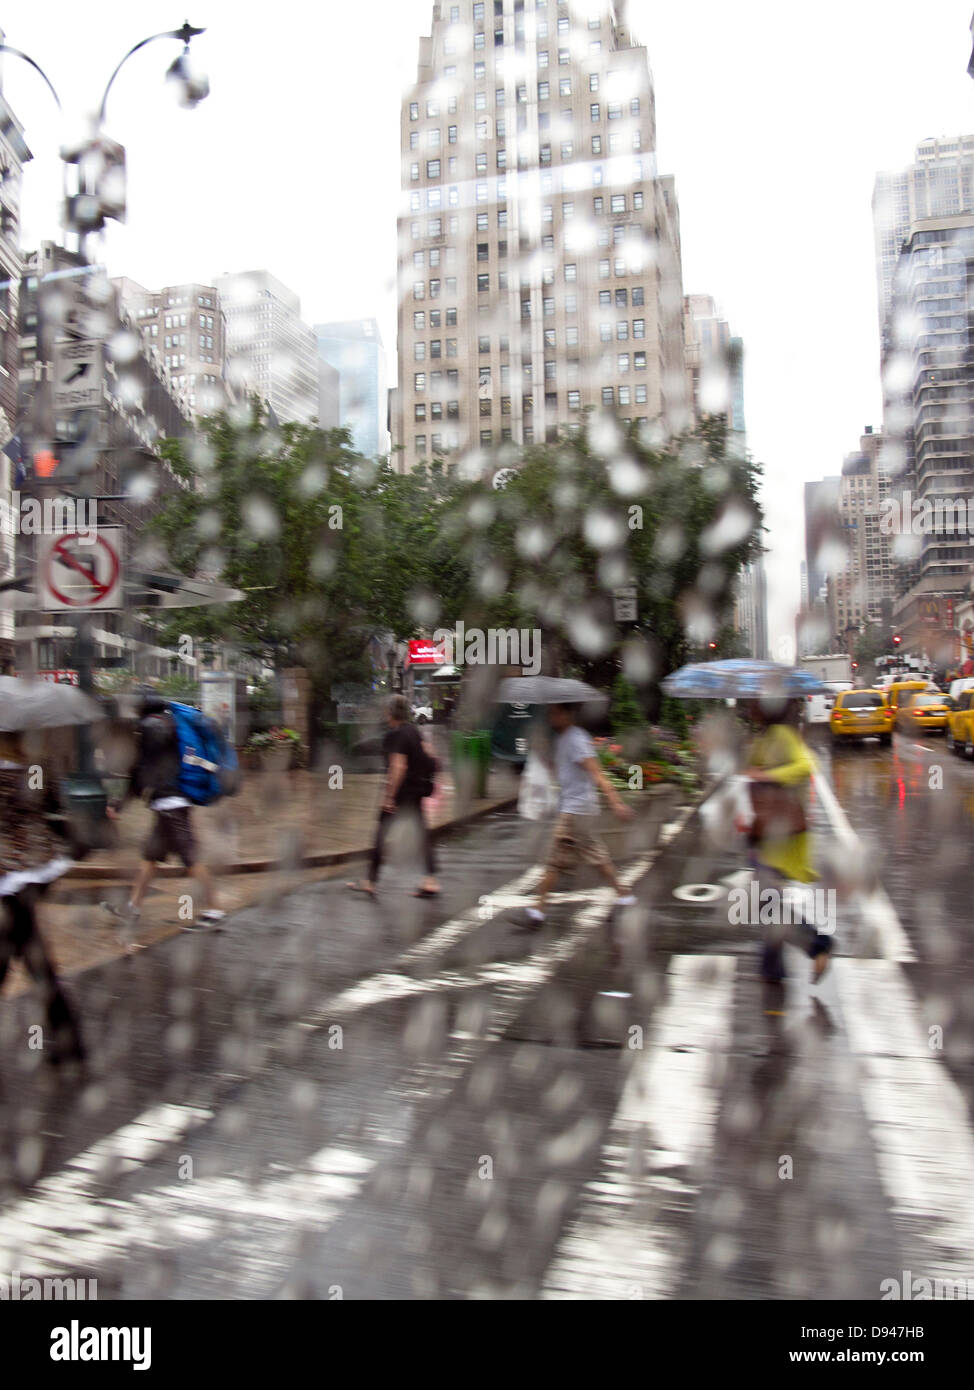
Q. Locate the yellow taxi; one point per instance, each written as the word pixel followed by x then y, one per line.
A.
pixel 897 691
pixel 960 725
pixel 923 711
pixel 861 714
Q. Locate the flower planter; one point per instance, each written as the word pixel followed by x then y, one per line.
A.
pixel 276 759
pixel 652 807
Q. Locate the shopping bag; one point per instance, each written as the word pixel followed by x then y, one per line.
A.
pixel 538 795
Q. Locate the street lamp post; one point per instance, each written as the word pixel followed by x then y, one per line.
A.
pixel 99 197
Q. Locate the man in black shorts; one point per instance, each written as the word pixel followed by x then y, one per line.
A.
pixel 407 771
pixel 155 778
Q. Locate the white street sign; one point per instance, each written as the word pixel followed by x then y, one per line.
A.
pixel 78 372
pixel 77 573
pixel 624 603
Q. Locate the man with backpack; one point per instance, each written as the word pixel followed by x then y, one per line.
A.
pixel 410 772
pixel 159 777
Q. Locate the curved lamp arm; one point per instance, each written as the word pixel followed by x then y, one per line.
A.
pixel 184 35
pixel 6 48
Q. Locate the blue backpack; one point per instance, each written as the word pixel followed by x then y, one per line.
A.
pixel 208 767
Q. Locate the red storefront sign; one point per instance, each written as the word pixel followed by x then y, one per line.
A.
pixel 425 653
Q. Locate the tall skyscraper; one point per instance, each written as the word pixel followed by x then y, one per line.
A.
pixel 715 368
pixel 184 325
pixel 354 349
pixel 271 352
pixel 539 252
pixel 930 414
pixel 939 183
pixel 860 590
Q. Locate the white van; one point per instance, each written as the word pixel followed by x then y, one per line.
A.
pixel 817 708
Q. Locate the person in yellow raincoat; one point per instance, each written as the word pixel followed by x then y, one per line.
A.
pixel 779 758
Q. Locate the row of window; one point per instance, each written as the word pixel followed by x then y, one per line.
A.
pixel 620 297
pixel 434 167
pixel 451 442
pixel 618 204
pixel 450 410
pixel 434 196
pixel 623 362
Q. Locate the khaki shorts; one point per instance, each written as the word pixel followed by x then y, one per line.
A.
pixel 575 842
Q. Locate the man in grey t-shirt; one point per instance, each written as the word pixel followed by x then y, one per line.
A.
pixel 580 775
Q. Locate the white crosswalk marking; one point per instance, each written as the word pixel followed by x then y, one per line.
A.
pixel 918 1115
pixel 622 1245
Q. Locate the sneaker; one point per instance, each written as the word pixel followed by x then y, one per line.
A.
pixel 211 920
pixel 127 914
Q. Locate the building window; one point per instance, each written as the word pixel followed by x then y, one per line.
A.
pixel 419 443
pixel 605 270
pixel 614 110
pixel 623 362
pixel 486 438
pixel 565 87
pixel 637 297
pixel 419 352
pixel 451 347
pixel 639 361
pixel 634 107
pixel 414 110
pixel 641 394
pixel 621 296
pixel 624 396
pixel 419 289
pixel 608 395
pixel 564 57
pixel 567 149
pixel 483 283
pixel 483 344
pixel 419 321
pixel 419 410
pixel 479 39
pixel 622 331
pixel 617 203
pixel 542 58
pixel 571 272
pixel 639 328
pixel 637 202
pixel 544 91
pixel 432 168
pixel 574 400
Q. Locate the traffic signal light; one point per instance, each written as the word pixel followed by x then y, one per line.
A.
pixel 101 184
pixel 897 639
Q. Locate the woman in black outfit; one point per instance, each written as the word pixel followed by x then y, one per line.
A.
pixel 408 783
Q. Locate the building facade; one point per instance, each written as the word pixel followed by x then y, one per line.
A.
pixel 14 154
pixel 860 590
pixel 134 405
pixel 932 411
pixel 271 351
pixel 939 183
pixel 354 349
pixel 539 252
pixel 183 325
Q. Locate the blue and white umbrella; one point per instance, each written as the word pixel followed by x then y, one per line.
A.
pixel 741 679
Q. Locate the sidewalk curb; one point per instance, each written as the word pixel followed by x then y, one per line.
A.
pixel 316 860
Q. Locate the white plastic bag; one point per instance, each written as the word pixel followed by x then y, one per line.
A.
pixel 538 795
pixel 728 812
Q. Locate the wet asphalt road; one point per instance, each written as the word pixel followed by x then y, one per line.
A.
pixel 414 1099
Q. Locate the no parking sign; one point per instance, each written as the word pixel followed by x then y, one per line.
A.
pixel 81 572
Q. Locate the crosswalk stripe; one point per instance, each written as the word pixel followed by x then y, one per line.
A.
pixel 623 1243
pixel 918 1116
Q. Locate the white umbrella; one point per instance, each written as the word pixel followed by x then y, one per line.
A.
pixel 35 704
pixel 547 690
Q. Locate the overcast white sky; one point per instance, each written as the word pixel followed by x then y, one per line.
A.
pixel 773 116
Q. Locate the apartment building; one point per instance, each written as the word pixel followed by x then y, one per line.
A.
pixel 539 252
pixel 184 327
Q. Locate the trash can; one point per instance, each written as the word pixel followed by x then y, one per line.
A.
pixel 470 758
pixel 85 803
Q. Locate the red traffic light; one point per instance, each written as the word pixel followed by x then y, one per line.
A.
pixel 897 639
pixel 45 463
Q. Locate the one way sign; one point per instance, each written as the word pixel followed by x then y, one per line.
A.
pixel 78 375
